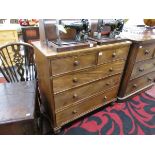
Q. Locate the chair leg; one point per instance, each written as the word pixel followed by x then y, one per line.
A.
pixel 43 117
pixel 38 110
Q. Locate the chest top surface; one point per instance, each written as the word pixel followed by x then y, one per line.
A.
pixel 146 35
pixel 49 53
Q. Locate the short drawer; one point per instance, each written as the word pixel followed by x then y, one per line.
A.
pixel 7 35
pixel 142 68
pixel 77 94
pixel 86 106
pixel 139 83
pixel 67 64
pixel 112 54
pixel 145 52
pixel 82 77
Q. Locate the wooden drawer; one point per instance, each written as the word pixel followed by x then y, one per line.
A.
pixel 140 83
pixel 67 64
pixel 86 106
pixel 7 35
pixel 82 77
pixel 68 97
pixel 113 54
pixel 142 68
pixel 145 52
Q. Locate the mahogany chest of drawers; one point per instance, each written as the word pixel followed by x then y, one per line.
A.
pixel 74 83
pixel 139 73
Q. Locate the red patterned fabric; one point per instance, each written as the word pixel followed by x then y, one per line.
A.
pixel 151 92
pixel 135 116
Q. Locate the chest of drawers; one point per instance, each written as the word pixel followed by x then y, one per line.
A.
pixel 139 73
pixel 74 83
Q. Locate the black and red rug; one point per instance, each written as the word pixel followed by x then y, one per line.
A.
pixel 135 116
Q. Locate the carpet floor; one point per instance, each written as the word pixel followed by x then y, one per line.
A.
pixel 133 117
pixel 151 92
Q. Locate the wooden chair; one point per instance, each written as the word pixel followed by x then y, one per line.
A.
pixel 17 64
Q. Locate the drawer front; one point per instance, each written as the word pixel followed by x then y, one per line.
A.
pixel 113 54
pixel 77 94
pixel 7 35
pixel 67 64
pixel 73 80
pixel 140 83
pixel 142 68
pixel 86 106
pixel 145 52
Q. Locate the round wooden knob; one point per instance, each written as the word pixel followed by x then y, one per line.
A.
pixel 74 112
pixel 146 52
pixel 141 69
pixel 110 69
pixel 108 83
pixel 76 63
pixel 134 86
pixel 105 97
pixel 149 79
pixel 75 79
pixel 75 96
pixel 114 55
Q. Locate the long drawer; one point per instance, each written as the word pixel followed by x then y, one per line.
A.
pixel 142 68
pixel 86 106
pixel 79 78
pixel 139 83
pixel 68 97
pixel 145 52
pixel 112 54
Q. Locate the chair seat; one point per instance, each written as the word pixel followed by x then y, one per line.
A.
pixel 17 104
